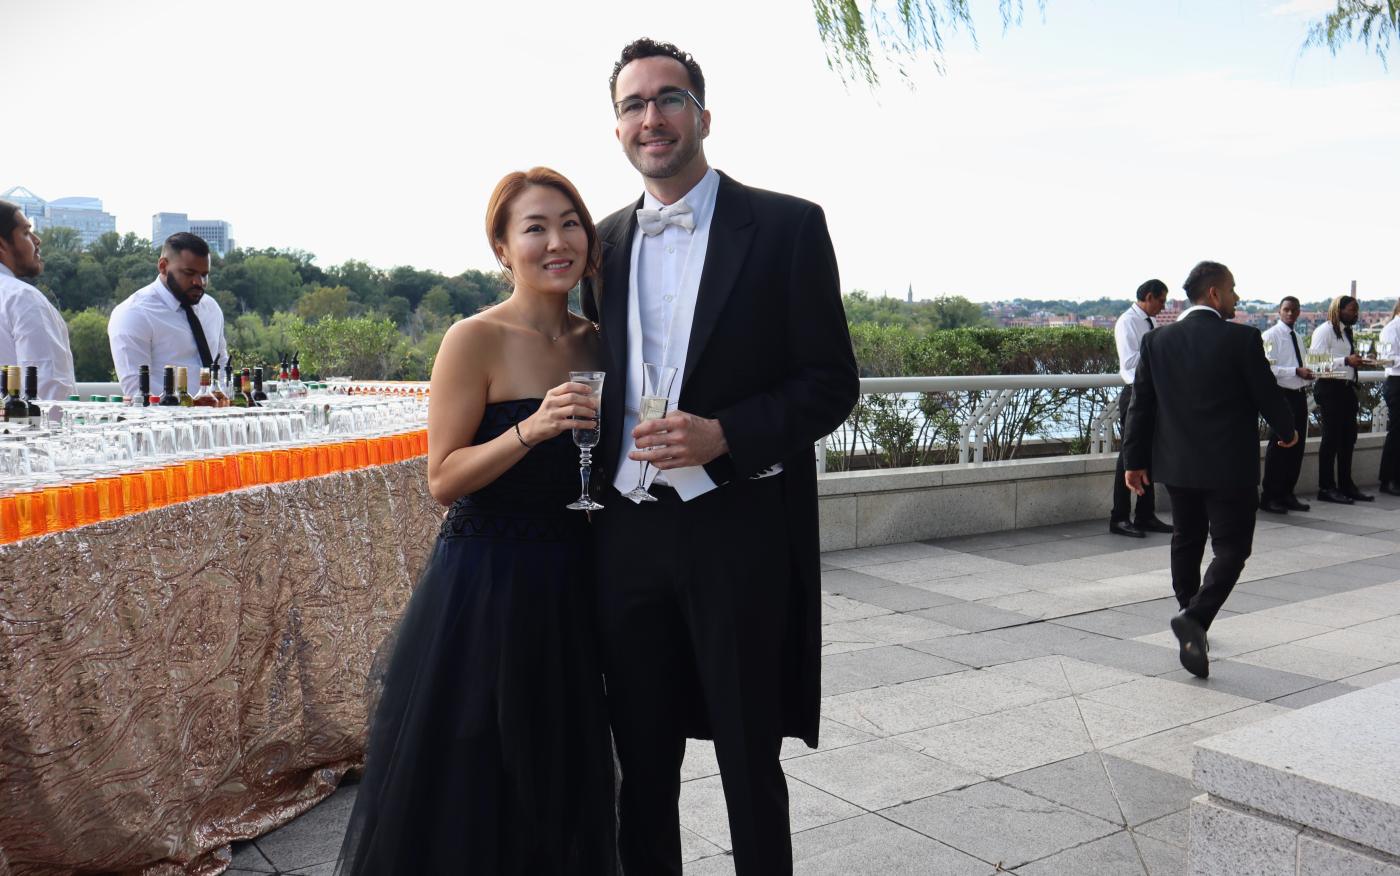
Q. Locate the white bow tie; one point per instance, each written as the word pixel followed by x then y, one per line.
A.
pixel 653 222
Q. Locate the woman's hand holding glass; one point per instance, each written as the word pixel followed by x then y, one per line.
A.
pixel 560 411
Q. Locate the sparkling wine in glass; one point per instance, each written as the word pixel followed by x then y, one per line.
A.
pixel 586 438
pixel 656 391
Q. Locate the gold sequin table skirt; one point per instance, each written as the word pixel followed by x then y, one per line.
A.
pixel 193 675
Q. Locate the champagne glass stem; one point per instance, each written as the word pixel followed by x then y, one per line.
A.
pixel 585 471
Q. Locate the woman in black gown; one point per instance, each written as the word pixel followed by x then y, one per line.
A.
pixel 489 750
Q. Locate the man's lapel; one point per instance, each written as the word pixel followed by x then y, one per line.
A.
pixel 617 264
pixel 731 234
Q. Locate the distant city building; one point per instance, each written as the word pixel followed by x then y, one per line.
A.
pixel 83 215
pixel 910 299
pixel 215 232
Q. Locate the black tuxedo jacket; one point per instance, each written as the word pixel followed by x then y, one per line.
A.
pixel 1201 385
pixel 770 356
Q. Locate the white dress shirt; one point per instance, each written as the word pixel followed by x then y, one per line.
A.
pixel 1127 334
pixel 1286 363
pixel 1390 342
pixel 1324 340
pixel 32 332
pixel 150 328
pixel 663 285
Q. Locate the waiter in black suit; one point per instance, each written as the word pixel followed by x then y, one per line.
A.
pixel 1201 385
pixel 709 597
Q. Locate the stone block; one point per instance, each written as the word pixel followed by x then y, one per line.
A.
pixel 1227 841
pixel 879 774
pixel 906 516
pixel 861 670
pixel 1334 767
pixel 871 844
pixel 1115 853
pixel 836 516
pixel 1061 499
pixel 1327 856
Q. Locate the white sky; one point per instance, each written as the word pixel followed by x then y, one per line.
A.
pixel 1075 156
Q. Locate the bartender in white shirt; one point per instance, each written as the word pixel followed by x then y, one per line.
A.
pixel 1135 322
pixel 1336 399
pixel 32 331
pixel 1390 454
pixel 171 321
pixel 1282 464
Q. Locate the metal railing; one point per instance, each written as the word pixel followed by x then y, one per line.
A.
pixel 980 405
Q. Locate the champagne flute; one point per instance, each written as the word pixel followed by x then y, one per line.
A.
pixel 586 438
pixel 656 391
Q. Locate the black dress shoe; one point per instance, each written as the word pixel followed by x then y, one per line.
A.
pixel 1123 527
pixel 1193 645
pixel 1152 524
pixel 1356 495
pixel 1333 496
pixel 1391 488
pixel 1293 503
pixel 1272 507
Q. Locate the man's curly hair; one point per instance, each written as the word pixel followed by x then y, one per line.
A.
pixel 650 48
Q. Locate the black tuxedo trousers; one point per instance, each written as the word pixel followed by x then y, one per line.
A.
pixel 1122 497
pixel 1337 401
pixel 1282 465
pixel 694 599
pixel 1226 515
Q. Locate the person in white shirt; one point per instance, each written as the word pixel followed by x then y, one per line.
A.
pixel 1135 322
pixel 1282 464
pixel 1336 398
pixel 1390 453
pixel 171 321
pixel 32 331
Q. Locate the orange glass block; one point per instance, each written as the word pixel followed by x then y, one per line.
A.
pixel 215 472
pixel 248 469
pixel 361 452
pixel 233 472
pixel 109 497
pixel 281 465
pixel 323 460
pixel 134 493
pixel 423 442
pixel 62 507
pixel 33 513
pixel 156 497
pixel 197 477
pixel 89 504
pixel 405 451
pixel 177 485
pixel 335 457
pixel 375 451
pixel 298 463
pixel 9 519
pixel 266 471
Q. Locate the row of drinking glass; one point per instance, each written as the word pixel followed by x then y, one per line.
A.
pixel 45 502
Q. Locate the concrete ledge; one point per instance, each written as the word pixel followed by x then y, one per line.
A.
pixel 1320 785
pixel 886 506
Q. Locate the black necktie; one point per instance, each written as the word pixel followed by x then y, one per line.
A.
pixel 1297 354
pixel 199 340
pixel 1150 324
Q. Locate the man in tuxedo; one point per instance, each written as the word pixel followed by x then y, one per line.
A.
pixel 1128 332
pixel 1201 385
pixel 1282 465
pixel 709 597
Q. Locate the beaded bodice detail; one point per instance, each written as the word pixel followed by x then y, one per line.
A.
pixel 526 503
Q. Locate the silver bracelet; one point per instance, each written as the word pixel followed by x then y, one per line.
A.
pixel 521 438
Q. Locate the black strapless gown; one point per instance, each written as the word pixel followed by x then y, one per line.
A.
pixel 489 750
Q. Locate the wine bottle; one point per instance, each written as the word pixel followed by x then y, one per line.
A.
pixel 258 395
pixel 217 385
pixel 168 398
pixel 31 396
pixel 16 411
pixel 205 397
pixel 182 386
pixel 144 381
pixel 248 386
pixel 298 389
pixel 240 398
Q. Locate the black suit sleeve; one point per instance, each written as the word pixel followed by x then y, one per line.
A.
pixel 821 384
pixel 1141 425
pixel 1264 390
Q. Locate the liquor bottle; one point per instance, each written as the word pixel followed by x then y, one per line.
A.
pixel 239 399
pixel 31 396
pixel 168 398
pixel 258 395
pixel 182 387
pixel 142 399
pixel 248 387
pixel 16 411
pixel 205 397
pixel 217 384
pixel 284 382
pixel 297 388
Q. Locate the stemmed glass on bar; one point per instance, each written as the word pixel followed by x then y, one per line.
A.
pixel 656 392
pixel 586 438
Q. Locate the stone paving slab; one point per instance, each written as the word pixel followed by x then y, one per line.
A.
pixel 1016 699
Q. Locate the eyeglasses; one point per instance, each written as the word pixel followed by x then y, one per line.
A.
pixel 668 103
